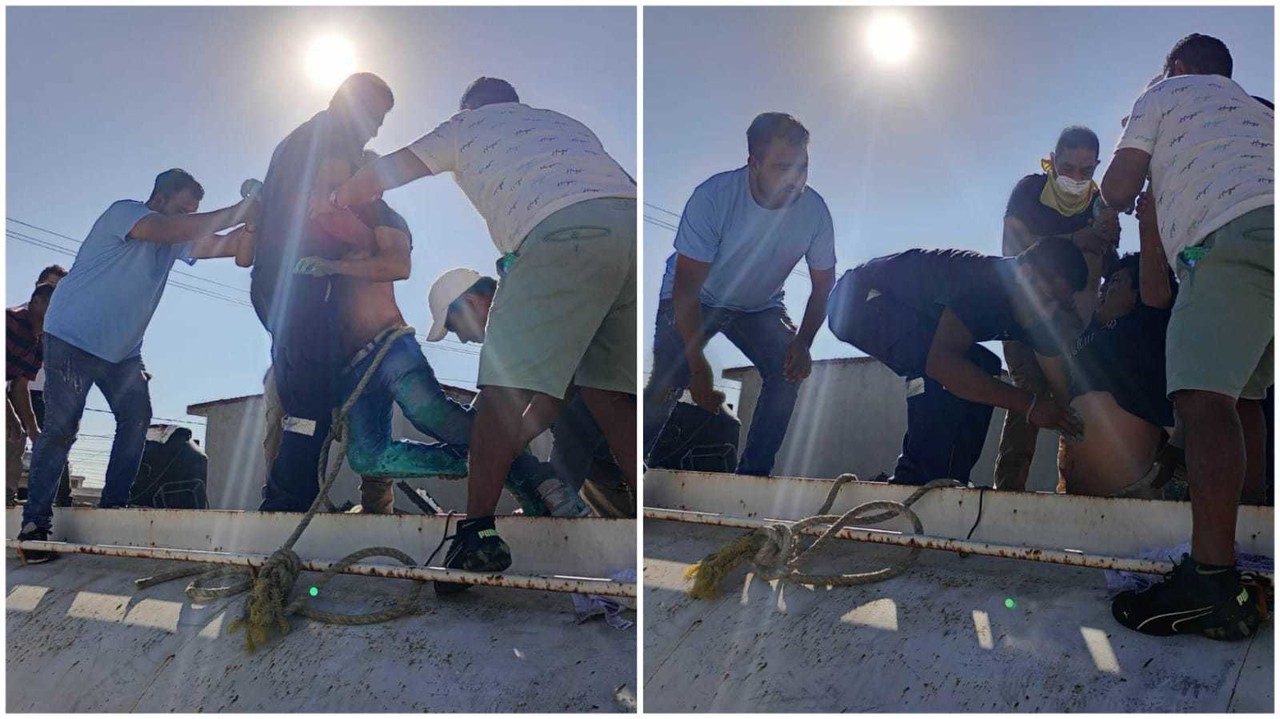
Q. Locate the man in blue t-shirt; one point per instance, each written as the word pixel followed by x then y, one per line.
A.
pixel 95 324
pixel 741 234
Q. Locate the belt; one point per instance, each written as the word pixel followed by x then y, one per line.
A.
pixel 368 349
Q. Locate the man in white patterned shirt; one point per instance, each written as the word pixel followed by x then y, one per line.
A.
pixel 1207 147
pixel 563 214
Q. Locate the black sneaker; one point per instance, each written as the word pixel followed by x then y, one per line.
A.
pixel 1189 602
pixel 33 533
pixel 475 548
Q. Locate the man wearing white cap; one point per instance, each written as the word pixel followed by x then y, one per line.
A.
pixel 564 314
pixel 460 300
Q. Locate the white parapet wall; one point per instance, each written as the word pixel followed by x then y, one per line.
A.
pixel 851 416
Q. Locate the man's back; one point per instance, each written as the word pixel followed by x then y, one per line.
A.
pixel 1212 154
pixel 519 164
pixel 285 233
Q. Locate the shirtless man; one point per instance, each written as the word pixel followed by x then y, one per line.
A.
pixel 367 314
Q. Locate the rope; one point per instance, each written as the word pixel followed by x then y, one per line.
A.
pixel 270 585
pixel 776 550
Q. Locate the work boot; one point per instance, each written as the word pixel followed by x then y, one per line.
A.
pixel 1194 598
pixel 476 548
pixel 32 533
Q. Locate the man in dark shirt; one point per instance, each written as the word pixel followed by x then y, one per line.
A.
pixel 1061 201
pixel 24 356
pixel 297 309
pixel 922 313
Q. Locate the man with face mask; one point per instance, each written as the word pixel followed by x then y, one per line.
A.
pixel 300 310
pixel 740 236
pixel 923 312
pixel 1209 150
pixel 95 323
pixel 1061 201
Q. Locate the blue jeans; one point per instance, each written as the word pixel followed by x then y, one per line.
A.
pixel 406 378
pixel 763 337
pixel 69 373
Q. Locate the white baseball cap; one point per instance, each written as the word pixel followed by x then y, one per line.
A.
pixel 447 288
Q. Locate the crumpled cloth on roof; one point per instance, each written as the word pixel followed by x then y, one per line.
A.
pixel 1121 581
pixel 586 606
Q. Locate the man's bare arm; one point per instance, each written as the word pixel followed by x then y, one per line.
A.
pixel 175 229
pixel 815 311
pixel 386 173
pixel 1154 286
pixel 690 276
pixel 20 395
pixel 228 245
pixel 1125 177
pixel 390 261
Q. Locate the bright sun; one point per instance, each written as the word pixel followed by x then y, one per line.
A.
pixel 330 59
pixel 891 39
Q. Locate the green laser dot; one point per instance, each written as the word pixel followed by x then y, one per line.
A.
pixel 1008 603
pixel 314 591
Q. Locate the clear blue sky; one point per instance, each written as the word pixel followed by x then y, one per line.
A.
pixel 102 99
pixel 924 154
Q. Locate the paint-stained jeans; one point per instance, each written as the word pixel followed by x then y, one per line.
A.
pixel 763 337
pixel 69 373
pixel 406 378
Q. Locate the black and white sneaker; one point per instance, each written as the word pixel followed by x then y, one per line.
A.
pixel 475 548
pixel 1192 600
pixel 32 533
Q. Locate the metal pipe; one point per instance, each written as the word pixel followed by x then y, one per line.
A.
pixel 570 585
pixel 924 541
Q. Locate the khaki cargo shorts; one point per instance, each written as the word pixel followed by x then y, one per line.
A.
pixel 566 312
pixel 1222 330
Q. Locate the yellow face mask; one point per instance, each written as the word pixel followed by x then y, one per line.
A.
pixel 1053 196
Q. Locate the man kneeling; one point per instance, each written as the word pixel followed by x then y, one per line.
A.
pixel 922 313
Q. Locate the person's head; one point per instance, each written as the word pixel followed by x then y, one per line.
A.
pixel 1048 274
pixel 1198 54
pixel 176 192
pixel 39 303
pixel 460 300
pixel 1119 292
pixel 1074 159
pixel 51 275
pixel 777 158
pixel 487 91
pixel 361 103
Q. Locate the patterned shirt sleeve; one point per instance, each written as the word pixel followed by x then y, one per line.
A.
pixel 438 149
pixel 1143 127
pixel 699 235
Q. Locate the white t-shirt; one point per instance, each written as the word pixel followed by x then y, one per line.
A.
pixel 1212 155
pixel 518 165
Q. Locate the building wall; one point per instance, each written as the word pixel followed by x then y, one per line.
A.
pixel 237 469
pixel 851 416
